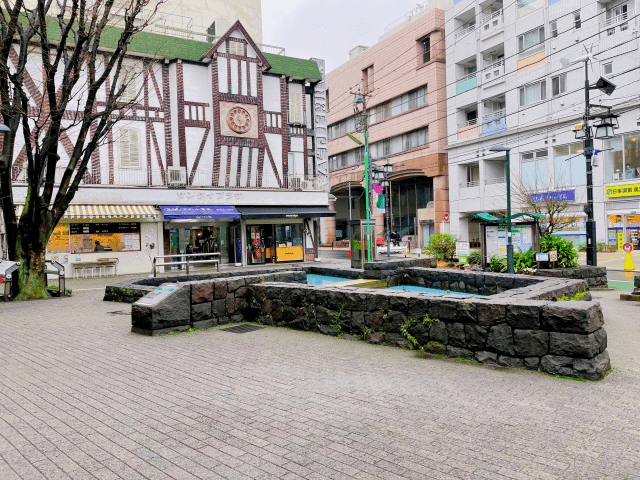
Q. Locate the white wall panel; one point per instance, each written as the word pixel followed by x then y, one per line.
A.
pixel 222 75
pixel 271 93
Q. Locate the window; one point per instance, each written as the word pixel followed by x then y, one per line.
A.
pixel 415 139
pixel 534 171
pixel 622 157
pixel 127 79
pixel 558 84
pixel 129 149
pixel 577 23
pixel 533 93
pixel 426 49
pixel 367 79
pixel 607 68
pixel 553 28
pixel 413 99
pixel 472 116
pixel 530 39
pixel 236 48
pixel 569 167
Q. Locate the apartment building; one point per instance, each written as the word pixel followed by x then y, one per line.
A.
pixel 508 84
pixel 224 152
pixel 404 76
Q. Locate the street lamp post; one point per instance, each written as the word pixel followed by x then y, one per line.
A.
pixel 584 133
pixel 506 150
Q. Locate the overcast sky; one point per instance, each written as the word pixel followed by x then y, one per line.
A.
pixel 328 28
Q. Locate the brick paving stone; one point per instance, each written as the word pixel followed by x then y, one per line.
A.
pixel 82 397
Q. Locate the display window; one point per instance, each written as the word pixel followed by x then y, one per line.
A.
pixel 95 237
pixel 201 239
pixel 632 229
pixel 615 230
pixel 255 244
pixel 622 157
pixel 289 246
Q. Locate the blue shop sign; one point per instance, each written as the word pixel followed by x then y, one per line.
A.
pixel 559 196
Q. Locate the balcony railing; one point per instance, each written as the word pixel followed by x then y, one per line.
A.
pixel 494 70
pixel 493 16
pixel 475 183
pixel 468 123
pixel 494 114
pixel 144 179
pixel 466 83
pixel 539 47
pixel 491 23
pixel 615 20
pixel 465 32
pixel 493 181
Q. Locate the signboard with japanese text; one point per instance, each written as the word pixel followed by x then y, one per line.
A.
pixel 563 195
pixel 626 190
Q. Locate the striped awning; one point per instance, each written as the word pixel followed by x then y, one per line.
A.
pixel 106 211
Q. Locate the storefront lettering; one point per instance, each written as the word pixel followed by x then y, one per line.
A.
pixel 628 190
pixel 225 197
pixel 320 117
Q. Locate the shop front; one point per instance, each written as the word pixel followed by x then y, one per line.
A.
pixel 623 215
pixel 201 229
pixel 97 239
pixel 281 234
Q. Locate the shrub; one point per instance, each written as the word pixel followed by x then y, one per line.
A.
pixel 442 246
pixel 524 261
pixel 567 253
pixel 497 264
pixel 475 257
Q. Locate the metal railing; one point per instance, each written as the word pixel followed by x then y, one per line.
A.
pixel 475 183
pixel 144 178
pixel 495 114
pixel 468 123
pixel 537 48
pixel 493 181
pixel 623 17
pixel 467 77
pixel 184 259
pixel 493 16
pixel 466 31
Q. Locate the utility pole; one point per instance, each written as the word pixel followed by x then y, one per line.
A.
pixel 362 125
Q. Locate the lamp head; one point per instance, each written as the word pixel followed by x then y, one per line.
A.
pixel 499 148
pixel 605 86
pixel 4 129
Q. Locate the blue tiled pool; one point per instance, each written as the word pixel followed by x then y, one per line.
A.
pixel 314 279
pixel 415 288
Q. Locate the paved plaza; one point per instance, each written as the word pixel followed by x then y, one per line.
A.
pixel 82 397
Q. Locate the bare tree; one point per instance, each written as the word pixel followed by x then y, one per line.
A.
pixel 533 194
pixel 82 91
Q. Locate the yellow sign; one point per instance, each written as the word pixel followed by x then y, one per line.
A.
pixel 620 240
pixel 288 254
pixel 59 240
pixel 626 190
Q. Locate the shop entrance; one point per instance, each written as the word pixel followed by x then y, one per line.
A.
pixel 623 229
pixel 211 238
pixel 269 243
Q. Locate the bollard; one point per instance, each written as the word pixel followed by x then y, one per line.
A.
pixel 628 261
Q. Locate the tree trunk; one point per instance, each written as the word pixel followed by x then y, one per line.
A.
pixel 33 235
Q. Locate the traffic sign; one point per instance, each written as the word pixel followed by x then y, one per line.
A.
pixel 553 256
pixel 627 247
pixel 445 217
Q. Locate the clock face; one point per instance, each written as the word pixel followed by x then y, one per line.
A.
pixel 239 120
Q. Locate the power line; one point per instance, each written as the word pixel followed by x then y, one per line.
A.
pixel 562 125
pixel 515 72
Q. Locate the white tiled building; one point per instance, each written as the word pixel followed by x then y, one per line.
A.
pixel 506 86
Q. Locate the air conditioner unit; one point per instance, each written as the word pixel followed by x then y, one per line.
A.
pixel 295 183
pixel 176 176
pixel 306 185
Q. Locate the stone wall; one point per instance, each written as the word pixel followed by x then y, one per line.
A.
pixel 594 276
pixel 385 269
pixel 564 338
pixel 202 303
pixel 131 290
pixel 498 285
